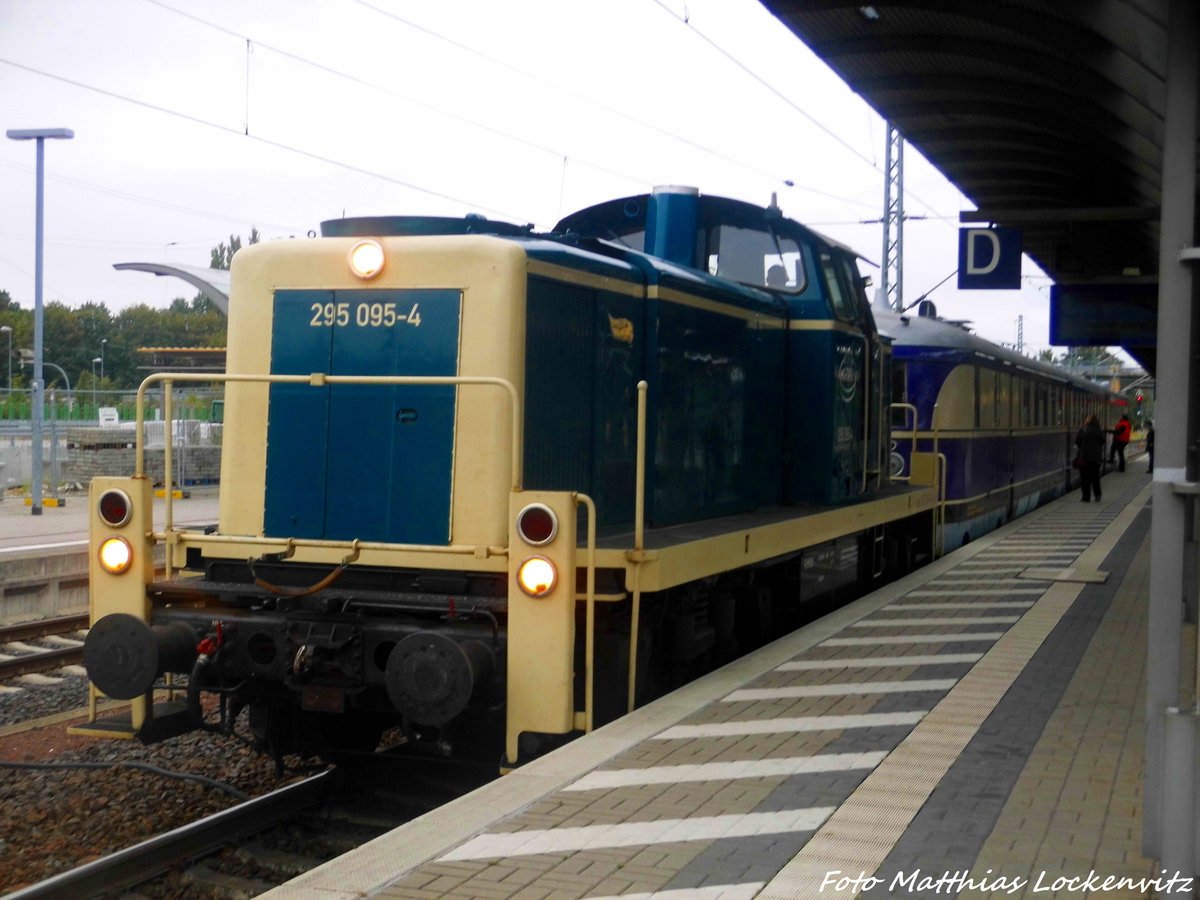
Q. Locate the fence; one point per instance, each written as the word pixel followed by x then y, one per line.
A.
pixel 85 406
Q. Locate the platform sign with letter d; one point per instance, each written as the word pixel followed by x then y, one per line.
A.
pixel 989 258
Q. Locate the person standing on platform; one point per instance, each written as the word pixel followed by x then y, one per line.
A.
pixel 1150 444
pixel 1089 443
pixel 1121 432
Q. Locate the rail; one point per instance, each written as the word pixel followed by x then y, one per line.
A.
pixel 315 379
pixel 43 659
pixel 156 855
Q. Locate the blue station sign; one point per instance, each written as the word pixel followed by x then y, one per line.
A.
pixel 989 258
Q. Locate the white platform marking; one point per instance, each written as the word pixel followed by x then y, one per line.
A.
pixel 792 724
pixel 841 690
pixel 911 639
pixel 977 592
pixel 744 891
pixel 633 834
pixel 727 771
pixel 932 659
pixel 894 621
pixel 975 604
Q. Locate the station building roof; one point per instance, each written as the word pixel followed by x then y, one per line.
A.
pixel 1047 114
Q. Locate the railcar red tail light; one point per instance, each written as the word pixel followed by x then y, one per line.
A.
pixel 537 524
pixel 116 555
pixel 115 508
pixel 537 576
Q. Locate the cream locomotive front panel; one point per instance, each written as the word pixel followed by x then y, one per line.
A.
pixel 410 464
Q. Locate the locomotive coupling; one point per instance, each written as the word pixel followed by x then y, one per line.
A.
pixel 124 656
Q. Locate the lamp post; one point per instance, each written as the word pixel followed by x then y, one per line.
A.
pixel 94 404
pixel 40 135
pixel 103 341
pixel 5 329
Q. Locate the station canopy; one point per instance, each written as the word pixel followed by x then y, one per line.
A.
pixel 1047 114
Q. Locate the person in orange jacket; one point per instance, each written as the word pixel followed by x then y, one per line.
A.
pixel 1121 432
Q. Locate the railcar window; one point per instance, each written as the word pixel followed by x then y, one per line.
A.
pixel 756 257
pixel 987 398
pixel 1026 402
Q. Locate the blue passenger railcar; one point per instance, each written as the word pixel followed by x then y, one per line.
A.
pixel 1004 424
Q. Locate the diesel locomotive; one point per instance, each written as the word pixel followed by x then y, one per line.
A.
pixel 497 487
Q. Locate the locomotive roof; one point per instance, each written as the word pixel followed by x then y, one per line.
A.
pixel 598 220
pixel 918 331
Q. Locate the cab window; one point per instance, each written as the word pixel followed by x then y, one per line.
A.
pixel 843 305
pixel 757 257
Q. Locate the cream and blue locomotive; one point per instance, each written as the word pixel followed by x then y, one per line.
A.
pixel 479 481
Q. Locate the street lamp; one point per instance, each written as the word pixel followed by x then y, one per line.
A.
pixel 94 361
pixel 103 341
pixel 40 135
pixel 5 329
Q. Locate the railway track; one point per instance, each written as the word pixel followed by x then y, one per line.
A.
pixel 143 862
pixel 250 848
pixel 30 659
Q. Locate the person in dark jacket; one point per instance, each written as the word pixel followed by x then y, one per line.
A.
pixel 1150 444
pixel 1121 433
pixel 1090 451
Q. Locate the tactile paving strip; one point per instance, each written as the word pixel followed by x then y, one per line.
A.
pixel 855 840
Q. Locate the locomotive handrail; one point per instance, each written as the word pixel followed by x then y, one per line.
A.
pixel 316 379
pixel 639 532
pixel 939 517
pixel 906 407
pixel 589 649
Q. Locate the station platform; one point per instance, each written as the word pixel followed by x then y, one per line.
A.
pixel 973 730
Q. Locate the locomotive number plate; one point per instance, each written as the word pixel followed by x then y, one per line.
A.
pixel 363 315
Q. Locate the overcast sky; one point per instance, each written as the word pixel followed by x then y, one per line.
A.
pixel 197 121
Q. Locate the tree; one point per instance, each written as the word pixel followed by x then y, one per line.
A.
pixel 222 254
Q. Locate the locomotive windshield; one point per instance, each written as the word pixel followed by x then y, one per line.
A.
pixel 756 256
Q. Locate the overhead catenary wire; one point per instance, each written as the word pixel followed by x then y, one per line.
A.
pixel 552 151
pixel 686 21
pixel 197 120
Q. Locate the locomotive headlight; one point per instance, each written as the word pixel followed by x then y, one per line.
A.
pixel 537 524
pixel 366 259
pixel 537 576
pixel 116 555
